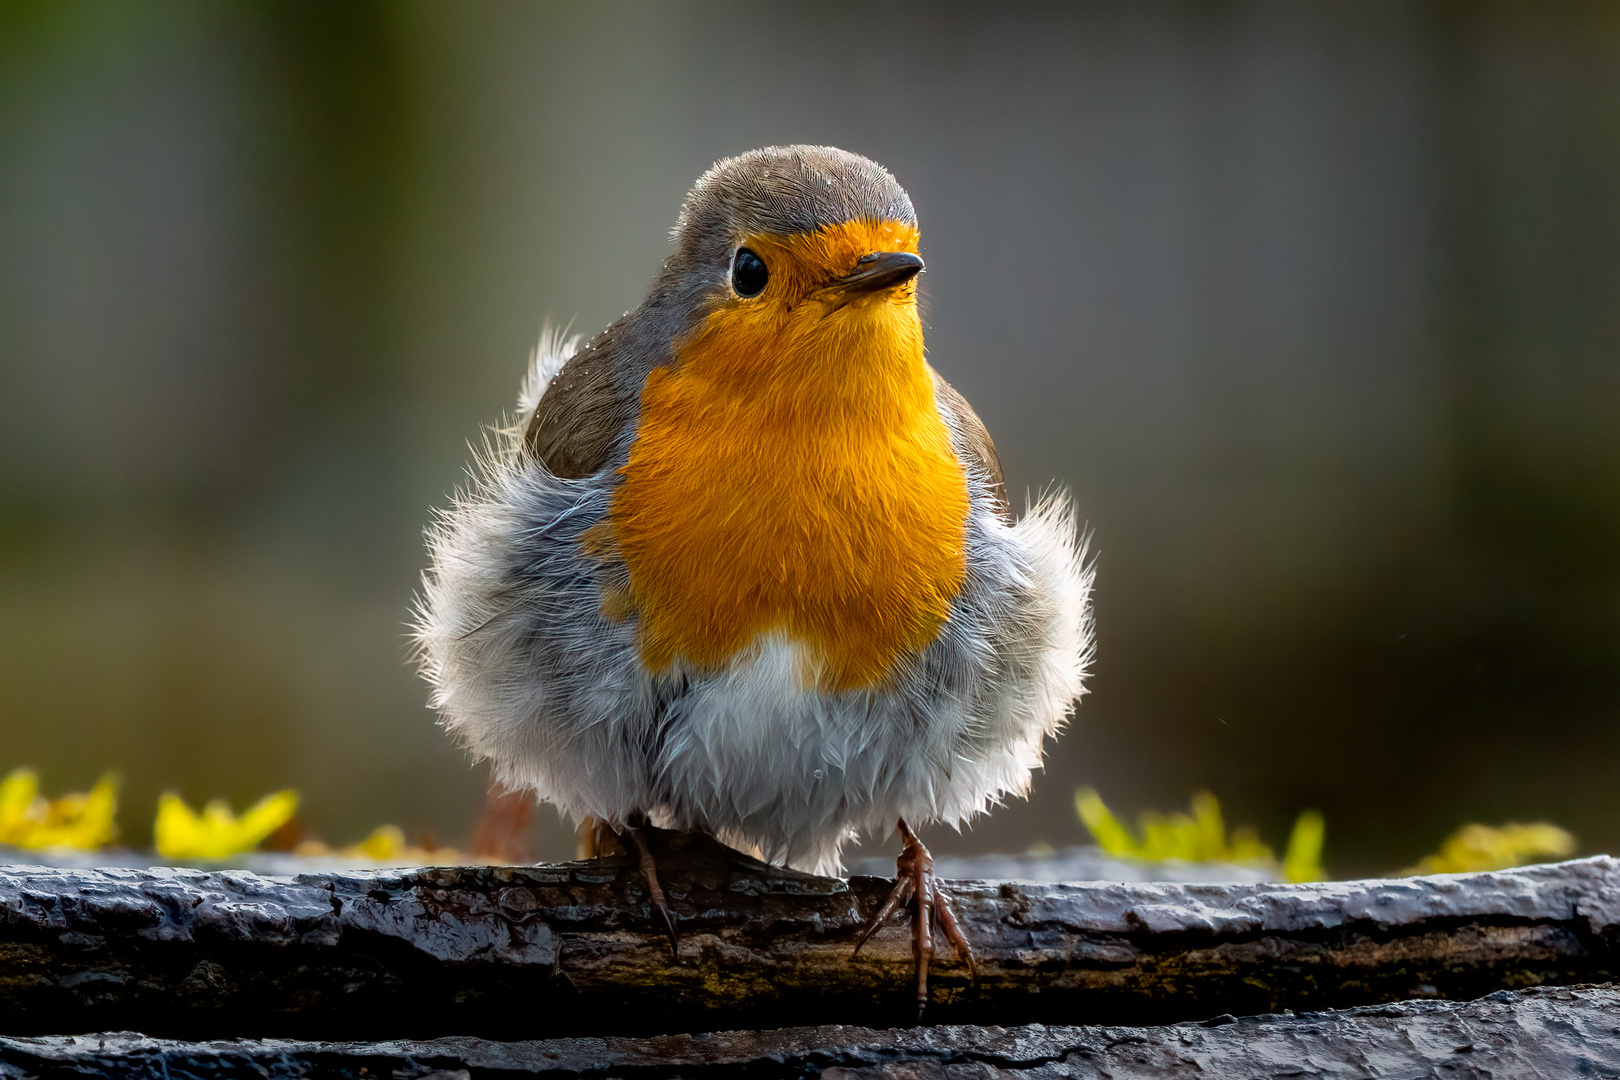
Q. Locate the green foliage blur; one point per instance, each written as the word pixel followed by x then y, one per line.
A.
pixel 1483 847
pixel 1201 837
pixel 86 823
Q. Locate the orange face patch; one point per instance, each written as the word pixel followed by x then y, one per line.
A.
pixel 791 474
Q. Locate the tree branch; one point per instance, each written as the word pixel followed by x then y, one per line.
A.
pixel 568 949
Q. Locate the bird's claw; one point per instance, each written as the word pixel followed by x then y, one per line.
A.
pixel 656 901
pixel 915 881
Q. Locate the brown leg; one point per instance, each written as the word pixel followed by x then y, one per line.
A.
pixel 915 881
pixel 649 870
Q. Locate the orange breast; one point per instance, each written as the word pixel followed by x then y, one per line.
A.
pixel 791 475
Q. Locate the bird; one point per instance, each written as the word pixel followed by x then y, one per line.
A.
pixel 745 564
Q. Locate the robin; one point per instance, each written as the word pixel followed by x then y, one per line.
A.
pixel 745 563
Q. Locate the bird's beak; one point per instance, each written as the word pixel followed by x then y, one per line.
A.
pixel 880 270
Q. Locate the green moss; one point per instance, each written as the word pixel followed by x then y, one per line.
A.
pixel 1200 836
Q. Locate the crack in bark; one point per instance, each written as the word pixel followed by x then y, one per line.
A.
pixel 1546 1031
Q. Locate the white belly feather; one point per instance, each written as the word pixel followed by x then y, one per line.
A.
pixel 528 673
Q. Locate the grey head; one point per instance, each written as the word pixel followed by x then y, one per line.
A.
pixel 776 190
pixel 588 411
pixel 790 189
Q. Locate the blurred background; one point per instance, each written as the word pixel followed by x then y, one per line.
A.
pixel 1315 307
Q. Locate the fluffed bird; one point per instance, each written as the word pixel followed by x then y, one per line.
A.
pixel 745 563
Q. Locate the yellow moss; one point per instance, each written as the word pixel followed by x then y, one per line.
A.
pixel 1302 860
pixel 1482 847
pixel 79 822
pixel 1201 836
pixel 1112 836
pixel 386 846
pixel 217 833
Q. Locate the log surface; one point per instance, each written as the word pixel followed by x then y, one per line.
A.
pixel 568 949
pixel 1540 1032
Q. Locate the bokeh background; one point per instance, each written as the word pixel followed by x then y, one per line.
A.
pixel 1316 307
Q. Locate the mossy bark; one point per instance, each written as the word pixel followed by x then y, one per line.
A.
pixel 568 949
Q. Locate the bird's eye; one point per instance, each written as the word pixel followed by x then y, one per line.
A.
pixel 748 273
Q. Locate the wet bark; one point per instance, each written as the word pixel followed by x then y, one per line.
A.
pixel 1541 1032
pixel 568 949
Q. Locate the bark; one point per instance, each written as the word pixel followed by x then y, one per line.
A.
pixel 568 949
pixel 1540 1032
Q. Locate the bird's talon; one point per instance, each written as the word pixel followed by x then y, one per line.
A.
pixel 915 881
pixel 658 906
pixel 666 916
pixel 897 896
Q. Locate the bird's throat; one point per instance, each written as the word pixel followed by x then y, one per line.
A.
pixel 792 476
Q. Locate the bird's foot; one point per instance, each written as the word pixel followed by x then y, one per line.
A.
pixel 662 912
pixel 915 881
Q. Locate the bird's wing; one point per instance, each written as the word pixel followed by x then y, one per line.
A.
pixel 577 421
pixel 972 442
